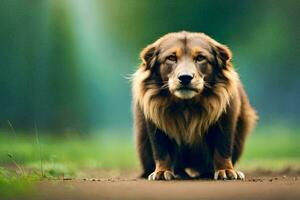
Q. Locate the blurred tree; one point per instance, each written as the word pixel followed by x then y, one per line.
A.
pixel 63 62
pixel 38 71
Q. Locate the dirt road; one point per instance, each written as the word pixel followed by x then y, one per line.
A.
pixel 268 187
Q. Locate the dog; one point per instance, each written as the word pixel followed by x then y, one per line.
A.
pixel 191 112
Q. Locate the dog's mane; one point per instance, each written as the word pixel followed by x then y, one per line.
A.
pixel 183 120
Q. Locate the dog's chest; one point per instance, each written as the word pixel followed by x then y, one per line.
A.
pixel 185 126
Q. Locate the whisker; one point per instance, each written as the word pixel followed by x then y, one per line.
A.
pixel 207 85
pixel 165 86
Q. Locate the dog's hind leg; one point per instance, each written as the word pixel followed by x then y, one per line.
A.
pixel 245 124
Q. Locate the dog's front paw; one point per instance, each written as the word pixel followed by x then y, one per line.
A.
pixel 162 175
pixel 231 174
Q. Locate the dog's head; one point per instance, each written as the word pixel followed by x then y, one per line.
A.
pixel 186 63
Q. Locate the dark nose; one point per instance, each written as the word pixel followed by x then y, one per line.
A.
pixel 185 78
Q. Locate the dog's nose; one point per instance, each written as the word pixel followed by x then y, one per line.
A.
pixel 185 78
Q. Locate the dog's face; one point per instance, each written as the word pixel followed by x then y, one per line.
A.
pixel 186 63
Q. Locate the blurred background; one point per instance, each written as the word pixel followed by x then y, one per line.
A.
pixel 64 63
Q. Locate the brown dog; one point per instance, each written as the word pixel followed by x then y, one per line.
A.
pixel 192 114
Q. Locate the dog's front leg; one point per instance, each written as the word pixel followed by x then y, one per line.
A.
pixel 224 168
pixel 163 150
pixel 222 155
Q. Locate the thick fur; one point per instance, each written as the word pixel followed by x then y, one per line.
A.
pixel 190 133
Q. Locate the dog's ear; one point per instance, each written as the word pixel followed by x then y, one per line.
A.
pixel 222 54
pixel 149 56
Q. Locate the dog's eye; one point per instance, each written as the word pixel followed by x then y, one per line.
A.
pixel 172 58
pixel 199 58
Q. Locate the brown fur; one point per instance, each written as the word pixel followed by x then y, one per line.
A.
pixel 220 102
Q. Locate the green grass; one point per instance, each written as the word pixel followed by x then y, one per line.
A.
pixel 66 155
pixel 272 148
pixel 25 160
pixel 13 185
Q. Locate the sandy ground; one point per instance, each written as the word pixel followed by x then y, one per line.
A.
pixel 274 186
